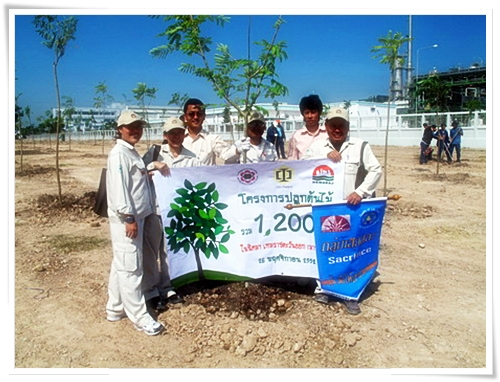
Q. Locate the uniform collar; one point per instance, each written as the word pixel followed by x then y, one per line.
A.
pixel 125 144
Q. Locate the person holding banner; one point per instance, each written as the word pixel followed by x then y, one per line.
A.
pixel 311 108
pixel 257 148
pixel 157 285
pixel 361 175
pixel 207 147
pixel 130 202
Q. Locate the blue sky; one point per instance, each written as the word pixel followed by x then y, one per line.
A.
pixel 328 54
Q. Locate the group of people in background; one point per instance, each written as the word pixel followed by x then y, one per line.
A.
pixel 447 142
pixel 139 280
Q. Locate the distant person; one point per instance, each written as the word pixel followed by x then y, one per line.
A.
pixel 256 148
pixel 130 202
pixel 434 136
pixel 311 108
pixel 443 143
pixel 359 159
pixel 206 146
pixel 456 133
pixel 425 144
pixel 280 140
pixel 272 134
pixel 157 285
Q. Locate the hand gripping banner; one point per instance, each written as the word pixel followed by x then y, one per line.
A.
pixel 347 241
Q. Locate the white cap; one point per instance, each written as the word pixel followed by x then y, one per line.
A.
pixel 128 117
pixel 338 112
pixel 172 123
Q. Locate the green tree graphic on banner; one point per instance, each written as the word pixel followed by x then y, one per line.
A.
pixel 197 222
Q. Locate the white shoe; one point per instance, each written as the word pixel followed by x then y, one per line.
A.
pixel 151 329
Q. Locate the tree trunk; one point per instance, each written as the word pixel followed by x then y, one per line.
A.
pixel 201 275
pixel 58 129
pixel 387 140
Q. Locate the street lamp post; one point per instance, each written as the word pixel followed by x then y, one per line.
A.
pixel 416 73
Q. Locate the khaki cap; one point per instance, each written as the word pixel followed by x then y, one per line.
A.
pixel 128 117
pixel 172 123
pixel 338 112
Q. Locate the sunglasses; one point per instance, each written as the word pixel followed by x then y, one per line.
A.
pixel 192 114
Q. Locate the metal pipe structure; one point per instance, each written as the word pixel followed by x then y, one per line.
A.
pixel 416 73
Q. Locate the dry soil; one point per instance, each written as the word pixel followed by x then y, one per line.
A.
pixel 426 309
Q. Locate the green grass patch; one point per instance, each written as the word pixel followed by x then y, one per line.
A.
pixel 69 243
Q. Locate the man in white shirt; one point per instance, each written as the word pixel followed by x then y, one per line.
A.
pixel 130 202
pixel 362 170
pixel 254 148
pixel 206 146
pixel 156 281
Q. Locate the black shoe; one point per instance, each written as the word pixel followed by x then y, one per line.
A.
pixel 161 306
pixel 152 303
pixel 352 307
pixel 322 298
pixel 175 299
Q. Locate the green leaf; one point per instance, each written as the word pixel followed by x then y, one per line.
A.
pixel 225 238
pixel 215 252
pixel 211 187
pixel 203 214
pixel 220 220
pixel 188 184
pixel 211 235
pixel 198 244
pixel 211 213
pixel 207 252
pixel 208 199
pixel 223 248
pixel 200 236
pixel 182 191
pixel 201 185
pixel 200 202
pixel 220 206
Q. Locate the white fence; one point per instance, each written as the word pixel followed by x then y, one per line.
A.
pixel 404 130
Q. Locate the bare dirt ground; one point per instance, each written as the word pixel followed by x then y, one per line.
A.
pixel 426 309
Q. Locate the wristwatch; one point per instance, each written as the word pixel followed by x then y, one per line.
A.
pixel 129 219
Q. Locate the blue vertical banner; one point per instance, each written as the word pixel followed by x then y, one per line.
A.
pixel 347 241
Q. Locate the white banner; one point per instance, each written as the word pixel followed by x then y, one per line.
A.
pixel 231 222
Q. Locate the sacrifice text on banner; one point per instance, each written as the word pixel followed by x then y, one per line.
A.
pixel 347 245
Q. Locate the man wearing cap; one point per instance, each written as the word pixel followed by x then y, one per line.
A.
pixel 362 171
pixel 311 108
pixel 130 202
pixel 207 147
pixel 254 146
pixel 157 285
pixel 456 133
